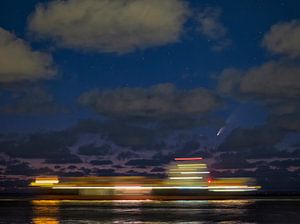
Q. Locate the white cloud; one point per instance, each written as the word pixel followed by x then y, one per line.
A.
pixel 283 38
pixel 18 62
pixel 110 26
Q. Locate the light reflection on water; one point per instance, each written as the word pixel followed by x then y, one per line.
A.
pixel 143 211
pixel 45 211
pixel 149 212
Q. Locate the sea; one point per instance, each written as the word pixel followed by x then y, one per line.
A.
pixel 151 212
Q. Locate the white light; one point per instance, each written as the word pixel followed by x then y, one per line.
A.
pixel 184 178
pixel 128 187
pixel 46 182
pixel 194 172
pixel 234 190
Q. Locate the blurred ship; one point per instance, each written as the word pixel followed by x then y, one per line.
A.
pixel 187 178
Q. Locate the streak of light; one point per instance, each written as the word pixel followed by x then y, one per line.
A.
pixel 46 181
pixel 234 190
pixel 129 187
pixel 216 189
pixel 194 172
pixel 220 131
pixel 185 178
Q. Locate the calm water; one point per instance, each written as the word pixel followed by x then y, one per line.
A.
pixel 90 212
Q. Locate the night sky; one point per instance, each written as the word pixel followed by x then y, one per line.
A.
pixel 98 87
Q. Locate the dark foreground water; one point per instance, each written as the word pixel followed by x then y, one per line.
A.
pixel 90 212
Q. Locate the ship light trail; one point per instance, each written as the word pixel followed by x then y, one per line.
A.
pixel 218 189
pixel 184 178
pixel 203 172
pixel 45 181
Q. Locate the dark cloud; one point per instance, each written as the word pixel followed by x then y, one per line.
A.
pixel 14 183
pixel 270 178
pixel 89 150
pixel 285 163
pixel 25 169
pixel 101 162
pixel 232 161
pixel 287 122
pixel 127 155
pixel 70 158
pixel 120 133
pixel 32 101
pixel 43 145
pixel 158 170
pixel 263 152
pixel 86 171
pixel 159 101
pixel 143 163
pixel 241 138
pixel 72 167
pixel 105 172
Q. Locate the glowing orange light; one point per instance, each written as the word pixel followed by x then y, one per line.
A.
pixel 209 181
pixel 188 159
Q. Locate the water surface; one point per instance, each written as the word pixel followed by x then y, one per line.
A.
pixel 150 212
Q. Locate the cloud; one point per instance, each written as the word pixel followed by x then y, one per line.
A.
pixel 288 122
pixel 274 79
pixel 158 170
pixel 89 150
pixel 18 62
pixel 142 163
pixel 275 83
pixel 32 101
pixel 51 145
pixel 228 81
pixel 24 168
pixel 241 138
pixel 159 101
pixel 66 159
pixel 127 155
pixel 105 172
pixel 283 38
pixel 110 26
pixel 210 26
pixel 231 161
pixel 101 162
